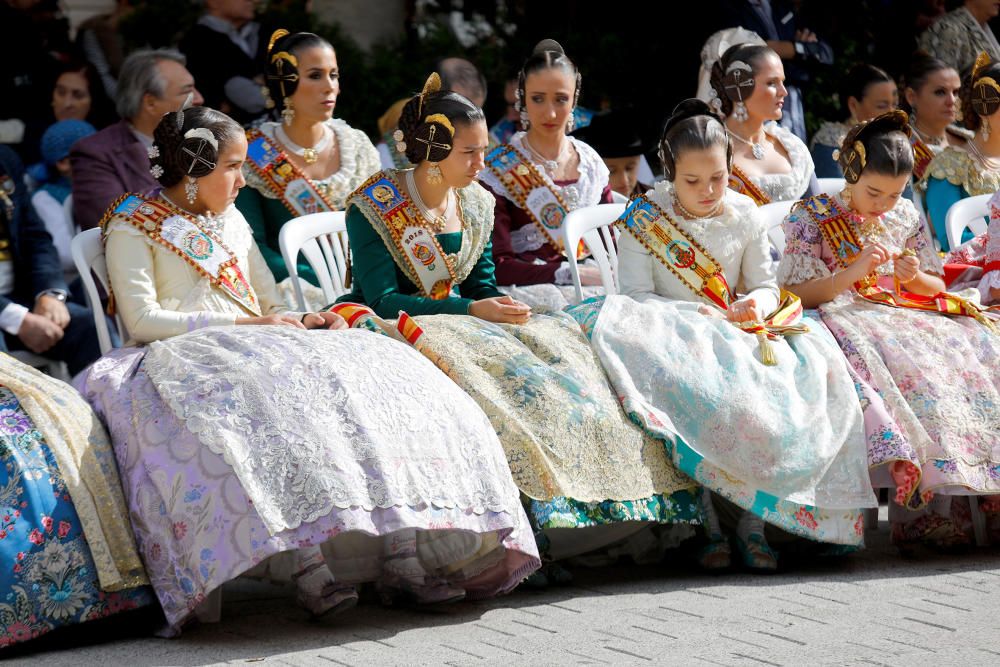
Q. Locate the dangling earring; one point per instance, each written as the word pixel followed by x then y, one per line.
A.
pixel 519 105
pixel 434 175
pixel 288 113
pixel 986 129
pixel 959 116
pixel 268 101
pixel 191 189
pixel 571 123
pixel 740 111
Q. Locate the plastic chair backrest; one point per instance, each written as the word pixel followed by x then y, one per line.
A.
pixel 831 186
pixel 971 213
pixel 322 239
pixel 774 215
pixel 88 255
pixel 593 224
pixel 618 198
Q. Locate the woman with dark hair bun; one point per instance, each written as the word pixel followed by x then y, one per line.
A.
pixel 538 177
pixel 865 92
pixel 973 169
pixel 932 98
pixel 861 257
pixel 420 240
pixel 750 399
pixel 278 436
pixel 770 163
pixel 304 161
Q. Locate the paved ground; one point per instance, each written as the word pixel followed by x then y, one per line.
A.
pixel 870 608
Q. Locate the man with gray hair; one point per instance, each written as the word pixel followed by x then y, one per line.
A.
pixel 114 161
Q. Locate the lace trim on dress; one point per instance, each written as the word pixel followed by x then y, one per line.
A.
pixel 830 134
pixel 786 187
pixel 797 268
pixel 527 238
pixel 359 159
pixel 586 191
pixel 958 168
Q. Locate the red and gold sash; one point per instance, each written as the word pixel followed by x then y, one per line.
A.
pixel 835 225
pixel 299 195
pixel 180 233
pixel 922 156
pixel 413 246
pixel 533 193
pixel 739 181
pixel 697 270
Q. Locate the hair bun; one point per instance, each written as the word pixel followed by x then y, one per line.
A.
pixel 688 108
pixel 548 45
pixel 852 156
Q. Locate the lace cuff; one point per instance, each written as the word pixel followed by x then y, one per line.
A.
pixel 563 276
pixel 796 269
pixel 526 239
pixel 930 261
pixel 990 281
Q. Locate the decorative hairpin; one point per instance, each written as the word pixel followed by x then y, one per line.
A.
pixel 432 85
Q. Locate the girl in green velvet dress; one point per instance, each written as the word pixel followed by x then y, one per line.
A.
pixel 420 244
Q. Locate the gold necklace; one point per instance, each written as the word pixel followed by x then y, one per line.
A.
pixel 936 141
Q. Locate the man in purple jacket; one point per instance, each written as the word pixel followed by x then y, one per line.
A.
pixel 115 160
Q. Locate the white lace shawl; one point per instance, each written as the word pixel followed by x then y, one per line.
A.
pixel 359 159
pixel 790 186
pixel 586 191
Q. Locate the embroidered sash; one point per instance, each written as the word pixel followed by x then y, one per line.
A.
pixel 739 181
pixel 922 156
pixel 181 234
pixel 835 225
pixel 295 191
pixel 697 270
pixel 533 193
pixel 414 247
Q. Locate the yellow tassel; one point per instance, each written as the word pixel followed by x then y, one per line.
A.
pixel 767 354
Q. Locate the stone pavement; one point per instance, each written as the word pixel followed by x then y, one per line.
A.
pixel 869 608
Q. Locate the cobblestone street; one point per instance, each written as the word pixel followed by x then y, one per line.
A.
pixel 870 608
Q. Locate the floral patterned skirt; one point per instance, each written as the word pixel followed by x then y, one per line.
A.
pixel 47 575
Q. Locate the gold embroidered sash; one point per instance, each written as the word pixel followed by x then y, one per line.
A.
pixel 740 182
pixel 414 247
pixel 299 195
pixel 533 193
pixel 922 156
pixel 835 225
pixel 180 233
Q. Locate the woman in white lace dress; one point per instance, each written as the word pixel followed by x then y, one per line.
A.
pixel 770 163
pixel 539 176
pixel 774 426
pixel 236 443
pixel 862 258
pixel 308 162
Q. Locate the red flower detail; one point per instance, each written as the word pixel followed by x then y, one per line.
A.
pixel 47 523
pixel 20 555
pixel 64 527
pixel 3 534
pixel 806 518
pixel 17 513
pixel 859 525
pixel 180 530
pixel 19 631
pixel 36 537
pixel 24 503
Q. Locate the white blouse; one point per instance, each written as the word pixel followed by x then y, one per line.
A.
pixel 736 239
pixel 790 186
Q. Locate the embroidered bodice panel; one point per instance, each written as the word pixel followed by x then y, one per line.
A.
pixel 956 166
pixel 790 186
pixel 359 159
pixel 807 256
pixel 154 286
pixel 736 239
pixel 585 191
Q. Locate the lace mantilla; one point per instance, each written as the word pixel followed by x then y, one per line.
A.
pixel 359 159
pixel 318 420
pixel 959 168
pixel 790 186
pixel 586 191
pixel 830 134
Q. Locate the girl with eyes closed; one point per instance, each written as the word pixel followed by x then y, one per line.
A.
pixel 693 346
pixel 769 162
pixel 539 176
pixel 309 161
pixel 861 257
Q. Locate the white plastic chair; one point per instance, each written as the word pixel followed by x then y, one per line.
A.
pixel 618 198
pixel 593 224
pixel 88 255
pixel 971 213
pixel 774 215
pixel 322 238
pixel 831 186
